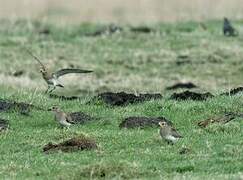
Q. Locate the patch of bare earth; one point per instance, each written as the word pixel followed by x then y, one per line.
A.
pixel 74 144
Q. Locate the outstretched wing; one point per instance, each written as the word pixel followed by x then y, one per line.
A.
pixel 35 57
pixel 68 71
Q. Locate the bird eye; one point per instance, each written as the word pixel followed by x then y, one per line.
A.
pixel 162 123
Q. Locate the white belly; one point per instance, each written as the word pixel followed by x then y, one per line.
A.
pixel 65 123
pixel 53 82
pixel 171 138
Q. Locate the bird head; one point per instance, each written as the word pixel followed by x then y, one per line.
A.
pixel 42 70
pixel 163 124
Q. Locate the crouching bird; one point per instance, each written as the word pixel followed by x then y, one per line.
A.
pixel 51 78
pixel 61 117
pixel 168 133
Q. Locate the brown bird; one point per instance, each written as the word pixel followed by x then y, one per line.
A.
pixel 219 119
pixel 168 133
pixel 61 117
pixel 51 78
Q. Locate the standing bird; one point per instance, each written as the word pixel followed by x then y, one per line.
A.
pixel 168 133
pixel 61 117
pixel 228 29
pixel 51 78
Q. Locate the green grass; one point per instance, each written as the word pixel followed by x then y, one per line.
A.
pixel 135 63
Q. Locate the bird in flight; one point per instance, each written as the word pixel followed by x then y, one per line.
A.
pixel 51 78
pixel 168 133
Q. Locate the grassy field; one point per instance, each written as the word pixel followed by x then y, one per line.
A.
pixel 131 62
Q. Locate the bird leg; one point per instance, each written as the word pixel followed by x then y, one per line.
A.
pixel 170 143
pixel 50 90
pixel 65 128
pixel 47 89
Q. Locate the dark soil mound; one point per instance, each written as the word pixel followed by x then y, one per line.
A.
pixel 64 98
pixel 182 56
pixel 22 108
pixel 122 98
pixel 188 95
pixel 73 144
pixel 142 122
pixel 110 170
pixel 142 29
pixel 183 62
pixel 233 91
pixel 18 73
pixel 44 31
pixel 3 124
pixel 80 117
pixel 188 85
pixel 111 29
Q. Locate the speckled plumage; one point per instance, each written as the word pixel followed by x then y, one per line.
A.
pixel 169 133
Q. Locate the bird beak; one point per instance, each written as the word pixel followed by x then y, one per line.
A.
pixel 160 124
pixel 50 109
